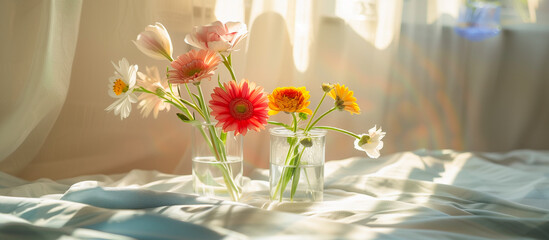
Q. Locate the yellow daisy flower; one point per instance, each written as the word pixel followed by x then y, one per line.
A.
pixel 289 99
pixel 344 99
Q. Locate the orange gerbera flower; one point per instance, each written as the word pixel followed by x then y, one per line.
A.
pixel 241 106
pixel 344 99
pixel 193 66
pixel 289 99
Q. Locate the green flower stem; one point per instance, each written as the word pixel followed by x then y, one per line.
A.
pixel 210 143
pixel 338 130
pixel 167 56
pixel 190 93
pixel 219 150
pixel 215 144
pixel 287 172
pixel 233 189
pixel 280 124
pixel 294 122
pixel 185 102
pixel 207 119
pixel 296 174
pixel 196 108
pixel 283 180
pixel 290 169
pixel 290 172
pixel 228 178
pixel 170 86
pixel 203 104
pixel 174 102
pixel 316 109
pixel 318 119
pixel 227 173
pixel 228 65
pixel 178 91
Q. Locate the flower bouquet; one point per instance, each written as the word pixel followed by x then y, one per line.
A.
pixel 297 149
pixel 235 106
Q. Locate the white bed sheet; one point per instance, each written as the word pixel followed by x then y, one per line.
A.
pixel 409 195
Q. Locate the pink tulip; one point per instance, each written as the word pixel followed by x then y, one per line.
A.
pixel 217 36
pixel 155 42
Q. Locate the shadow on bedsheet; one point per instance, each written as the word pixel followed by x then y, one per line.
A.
pixel 141 224
pixel 447 191
pixel 120 198
pixel 106 213
pixel 25 231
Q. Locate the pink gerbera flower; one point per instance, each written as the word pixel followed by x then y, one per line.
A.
pixel 193 66
pixel 241 106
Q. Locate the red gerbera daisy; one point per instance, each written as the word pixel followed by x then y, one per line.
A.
pixel 241 106
pixel 193 66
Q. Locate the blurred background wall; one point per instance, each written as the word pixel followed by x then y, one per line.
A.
pixel 412 74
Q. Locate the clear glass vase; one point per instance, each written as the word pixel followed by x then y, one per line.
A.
pixel 216 163
pixel 297 165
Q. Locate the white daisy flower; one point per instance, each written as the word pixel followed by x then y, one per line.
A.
pixel 371 143
pixel 149 102
pixel 121 87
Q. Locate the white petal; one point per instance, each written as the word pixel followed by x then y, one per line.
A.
pixel 165 38
pixel 110 87
pixel 357 146
pixel 118 106
pixel 372 131
pixel 121 106
pixel 193 41
pixel 116 67
pixel 219 46
pixel 379 145
pixel 372 153
pixel 132 98
pixel 132 72
pixel 141 45
pixel 154 42
pixel 236 27
pixel 112 106
pixel 123 68
pixel 236 41
pixel 381 135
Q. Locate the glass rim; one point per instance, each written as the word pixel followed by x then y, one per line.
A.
pixel 206 123
pixel 284 132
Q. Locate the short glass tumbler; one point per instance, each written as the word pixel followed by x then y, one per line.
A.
pixel 297 165
pixel 216 163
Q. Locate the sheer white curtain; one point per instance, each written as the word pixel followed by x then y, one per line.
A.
pixel 38 43
pixel 412 75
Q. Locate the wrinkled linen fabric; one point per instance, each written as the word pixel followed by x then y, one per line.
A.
pixel 410 195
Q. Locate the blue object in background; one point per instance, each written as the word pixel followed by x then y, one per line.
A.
pixel 479 20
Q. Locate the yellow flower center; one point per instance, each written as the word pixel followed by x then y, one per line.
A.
pixel 119 87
